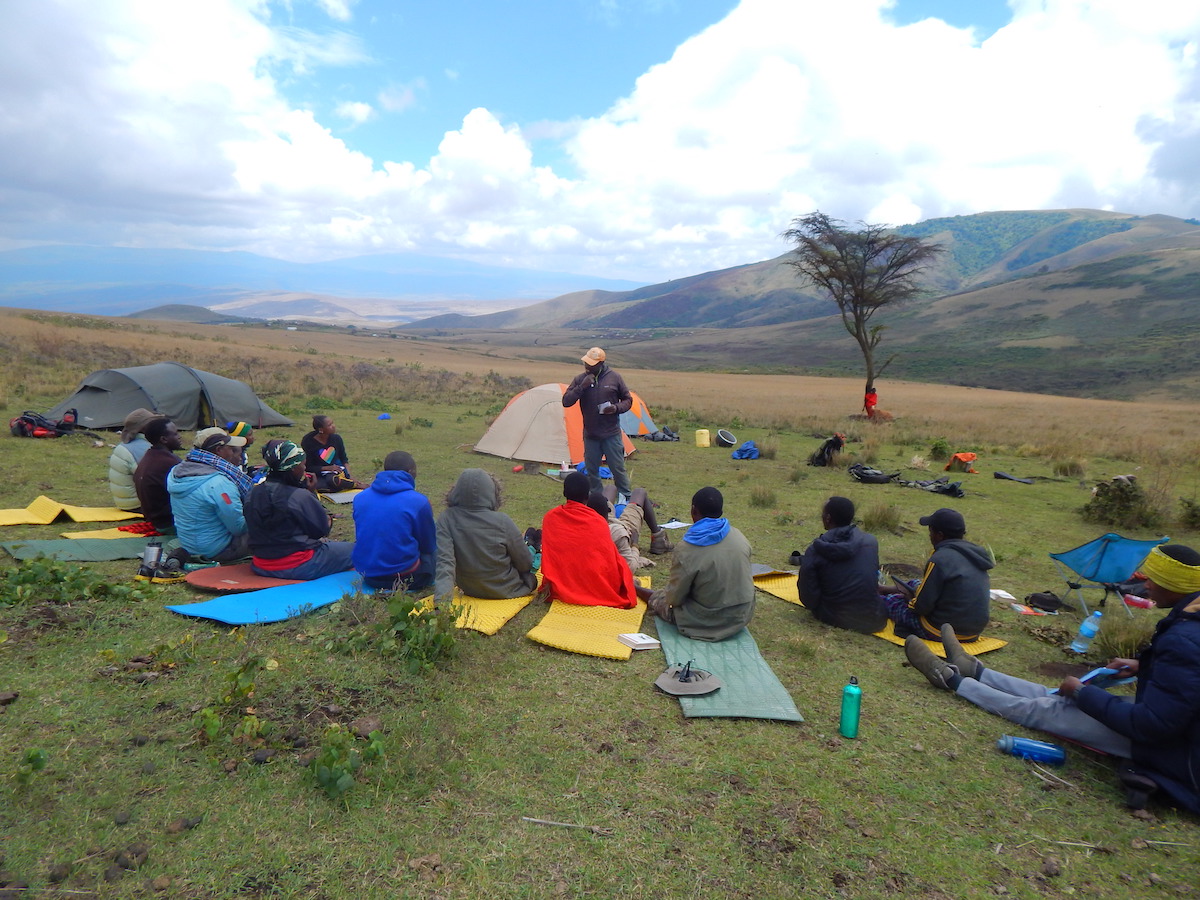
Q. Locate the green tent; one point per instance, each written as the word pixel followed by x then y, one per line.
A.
pixel 192 398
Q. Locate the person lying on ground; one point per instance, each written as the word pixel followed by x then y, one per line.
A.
pixel 580 563
pixel 288 526
pixel 150 476
pixel 710 592
pixel 208 490
pixel 955 588
pixel 626 529
pixel 124 459
pixel 395 539
pixel 1159 730
pixel 839 573
pixel 478 547
pixel 325 457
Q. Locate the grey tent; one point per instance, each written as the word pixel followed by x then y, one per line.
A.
pixel 192 398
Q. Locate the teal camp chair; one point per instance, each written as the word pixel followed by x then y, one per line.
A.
pixel 1102 564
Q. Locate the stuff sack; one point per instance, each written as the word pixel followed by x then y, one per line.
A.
pixel 748 450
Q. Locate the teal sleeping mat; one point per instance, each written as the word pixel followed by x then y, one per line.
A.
pixel 83 549
pixel 273 604
pixel 749 688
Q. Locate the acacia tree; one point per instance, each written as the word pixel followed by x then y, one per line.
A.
pixel 862 270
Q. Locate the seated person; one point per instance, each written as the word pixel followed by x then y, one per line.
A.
pixel 478 547
pixel 150 476
pixel 955 589
pixel 839 571
pixel 710 594
pixel 1159 731
pixel 325 457
pixel 580 563
pixel 242 430
pixel 207 492
pixel 288 526
pixel 626 529
pixel 123 461
pixel 394 534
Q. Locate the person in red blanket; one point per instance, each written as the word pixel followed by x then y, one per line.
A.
pixel 870 401
pixel 580 562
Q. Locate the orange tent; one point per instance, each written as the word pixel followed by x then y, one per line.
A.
pixel 536 427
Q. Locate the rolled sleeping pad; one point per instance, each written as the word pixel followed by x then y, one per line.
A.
pixel 725 438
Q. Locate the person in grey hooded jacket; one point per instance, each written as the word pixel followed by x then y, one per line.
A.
pixel 478 547
pixel 839 573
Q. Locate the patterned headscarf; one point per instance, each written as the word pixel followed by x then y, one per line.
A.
pixel 1170 574
pixel 282 456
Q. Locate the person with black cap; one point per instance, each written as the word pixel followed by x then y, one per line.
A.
pixel 955 588
pixel 207 492
pixel 602 396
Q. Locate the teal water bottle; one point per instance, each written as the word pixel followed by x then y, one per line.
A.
pixel 851 708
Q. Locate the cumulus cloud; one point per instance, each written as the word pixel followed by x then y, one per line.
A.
pixel 136 122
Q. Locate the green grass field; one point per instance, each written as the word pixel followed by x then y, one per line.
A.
pixel 921 805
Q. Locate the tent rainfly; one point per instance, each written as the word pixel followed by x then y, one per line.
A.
pixel 536 427
pixel 192 398
pixel 637 421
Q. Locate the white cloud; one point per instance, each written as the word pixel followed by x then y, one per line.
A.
pixel 354 112
pixel 140 122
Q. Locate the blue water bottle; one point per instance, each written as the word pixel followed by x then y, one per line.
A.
pixel 851 708
pixel 1027 748
pixel 1087 631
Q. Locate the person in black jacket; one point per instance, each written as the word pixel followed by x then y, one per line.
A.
pixel 287 525
pixel 1159 730
pixel 839 571
pixel 955 588
pixel 602 396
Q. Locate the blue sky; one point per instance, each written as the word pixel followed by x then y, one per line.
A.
pixel 643 139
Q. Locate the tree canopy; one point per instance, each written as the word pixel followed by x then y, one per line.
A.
pixel 862 270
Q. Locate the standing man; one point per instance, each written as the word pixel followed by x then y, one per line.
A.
pixel 602 396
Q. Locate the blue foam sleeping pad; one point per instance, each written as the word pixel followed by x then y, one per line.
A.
pixel 273 604
pixel 749 689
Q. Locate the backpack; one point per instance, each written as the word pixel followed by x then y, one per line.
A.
pixel 824 454
pixel 35 425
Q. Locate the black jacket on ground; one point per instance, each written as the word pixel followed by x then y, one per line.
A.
pixel 838 578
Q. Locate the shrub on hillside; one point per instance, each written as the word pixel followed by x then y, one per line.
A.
pixel 939 449
pixel 1070 468
pixel 1121 503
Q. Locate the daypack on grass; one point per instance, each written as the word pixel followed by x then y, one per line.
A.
pixel 870 475
pixel 35 425
pixel 824 454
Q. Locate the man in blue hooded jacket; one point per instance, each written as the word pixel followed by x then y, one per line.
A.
pixel 395 534
pixel 207 492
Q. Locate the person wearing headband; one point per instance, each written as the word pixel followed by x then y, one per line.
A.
pixel 1158 730
pixel 288 526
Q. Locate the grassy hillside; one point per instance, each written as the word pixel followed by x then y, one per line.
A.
pixel 921 805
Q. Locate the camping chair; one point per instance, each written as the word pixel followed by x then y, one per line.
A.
pixel 1105 562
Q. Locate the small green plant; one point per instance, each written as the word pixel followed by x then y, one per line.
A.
pixel 939 449
pixel 762 498
pixel 339 759
pixel 420 422
pixel 1123 636
pixel 241 681
pixel 208 723
pixel 1190 516
pixel 420 635
pixel 31 763
pixel 797 475
pixel 251 730
pixel 44 580
pixel 881 517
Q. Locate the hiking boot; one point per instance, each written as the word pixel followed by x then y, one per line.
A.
pixel 169 571
pixel 967 665
pixel 940 673
pixel 660 543
pixel 1138 787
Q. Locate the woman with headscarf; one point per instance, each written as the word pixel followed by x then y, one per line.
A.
pixel 123 461
pixel 288 526
pixel 478 547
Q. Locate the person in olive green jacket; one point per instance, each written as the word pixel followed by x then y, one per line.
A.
pixel 710 594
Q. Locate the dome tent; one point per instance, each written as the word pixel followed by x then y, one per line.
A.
pixel 191 398
pixel 536 427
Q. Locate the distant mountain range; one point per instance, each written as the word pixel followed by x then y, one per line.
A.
pixel 1079 302
pixel 390 288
